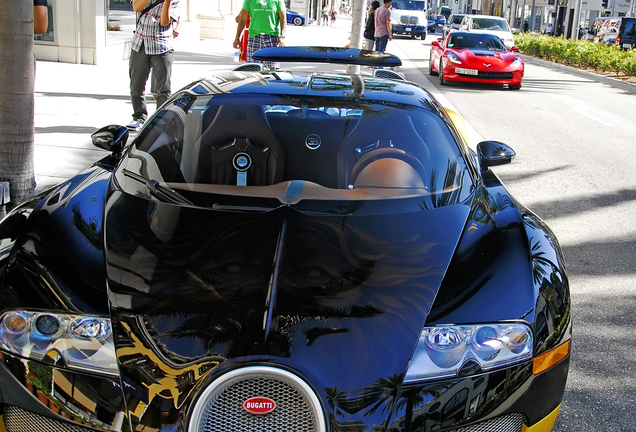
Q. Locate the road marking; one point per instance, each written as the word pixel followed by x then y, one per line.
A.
pixel 586 114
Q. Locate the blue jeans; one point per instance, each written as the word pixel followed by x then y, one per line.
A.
pixel 380 43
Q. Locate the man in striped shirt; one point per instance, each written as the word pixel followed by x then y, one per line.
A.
pixel 157 25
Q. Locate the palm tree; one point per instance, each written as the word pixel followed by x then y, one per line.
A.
pixel 17 68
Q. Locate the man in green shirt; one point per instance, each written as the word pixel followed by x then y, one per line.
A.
pixel 266 16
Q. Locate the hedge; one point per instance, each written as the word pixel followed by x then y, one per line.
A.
pixel 577 53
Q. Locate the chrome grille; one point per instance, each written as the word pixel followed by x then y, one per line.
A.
pixel 220 407
pixel 509 423
pixel 19 420
pixel 490 75
pixel 408 19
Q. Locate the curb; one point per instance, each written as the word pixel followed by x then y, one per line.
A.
pixel 613 82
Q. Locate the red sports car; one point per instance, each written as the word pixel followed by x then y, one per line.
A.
pixel 476 57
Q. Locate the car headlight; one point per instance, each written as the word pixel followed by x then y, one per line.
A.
pixel 442 351
pixel 516 62
pixel 453 58
pixel 77 341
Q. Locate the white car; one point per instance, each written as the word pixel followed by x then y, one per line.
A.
pixel 489 24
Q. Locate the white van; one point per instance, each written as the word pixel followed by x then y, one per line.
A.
pixel 408 17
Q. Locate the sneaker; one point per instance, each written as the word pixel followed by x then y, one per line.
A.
pixel 135 125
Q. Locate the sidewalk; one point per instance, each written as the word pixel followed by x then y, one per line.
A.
pixel 72 101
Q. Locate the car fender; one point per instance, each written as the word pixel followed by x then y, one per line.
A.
pixel 52 247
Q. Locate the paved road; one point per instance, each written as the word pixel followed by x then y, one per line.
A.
pixel 574 139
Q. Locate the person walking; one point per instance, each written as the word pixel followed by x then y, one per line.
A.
pixel 268 24
pixel 383 32
pixel 158 22
pixel 369 29
pixel 325 15
pixel 333 15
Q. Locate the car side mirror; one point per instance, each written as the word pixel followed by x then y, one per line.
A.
pixel 494 153
pixel 514 49
pixel 112 138
pixel 436 43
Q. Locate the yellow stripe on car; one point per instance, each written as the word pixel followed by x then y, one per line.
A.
pixel 544 425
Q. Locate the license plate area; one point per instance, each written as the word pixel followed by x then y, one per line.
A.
pixel 466 71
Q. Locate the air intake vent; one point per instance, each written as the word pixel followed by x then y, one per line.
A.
pixel 19 420
pixel 249 67
pixel 221 405
pixel 388 73
pixel 509 423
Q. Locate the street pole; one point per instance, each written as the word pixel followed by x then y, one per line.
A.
pixel 532 17
pixel 357 23
pixel 574 34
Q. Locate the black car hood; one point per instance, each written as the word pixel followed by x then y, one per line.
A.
pixel 340 299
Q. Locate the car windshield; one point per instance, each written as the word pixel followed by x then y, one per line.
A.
pixel 457 19
pixel 295 149
pixel 413 5
pixel 630 27
pixel 475 41
pixel 490 24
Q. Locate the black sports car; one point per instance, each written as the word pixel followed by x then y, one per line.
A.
pixel 284 251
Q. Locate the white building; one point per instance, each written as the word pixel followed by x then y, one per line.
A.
pixel 78 29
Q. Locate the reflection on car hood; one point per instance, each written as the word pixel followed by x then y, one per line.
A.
pixel 193 289
pixel 494 58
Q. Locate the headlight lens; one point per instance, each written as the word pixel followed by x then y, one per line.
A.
pixel 82 342
pixel 443 350
pixel 516 62
pixel 453 58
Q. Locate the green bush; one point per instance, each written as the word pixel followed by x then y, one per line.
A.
pixel 577 53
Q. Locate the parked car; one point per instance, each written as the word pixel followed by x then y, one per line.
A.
pixel 452 23
pixel 490 24
pixel 626 37
pixel 604 29
pixel 284 250
pixel 297 18
pixel 440 20
pixel 431 24
pixel 476 57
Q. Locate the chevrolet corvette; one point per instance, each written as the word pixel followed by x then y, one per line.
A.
pixel 280 250
pixel 476 57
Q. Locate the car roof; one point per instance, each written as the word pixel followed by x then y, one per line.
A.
pixel 486 17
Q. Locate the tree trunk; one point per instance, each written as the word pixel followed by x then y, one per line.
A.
pixel 17 68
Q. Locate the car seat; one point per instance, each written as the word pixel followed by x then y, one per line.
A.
pixel 389 129
pixel 240 148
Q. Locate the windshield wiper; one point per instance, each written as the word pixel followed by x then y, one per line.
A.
pixel 162 193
